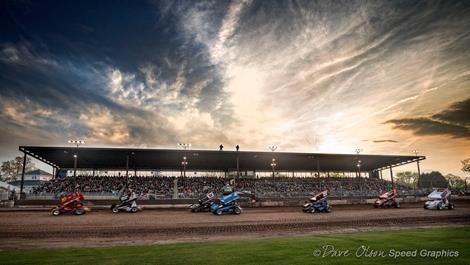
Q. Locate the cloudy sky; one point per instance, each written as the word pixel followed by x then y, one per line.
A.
pixel 317 76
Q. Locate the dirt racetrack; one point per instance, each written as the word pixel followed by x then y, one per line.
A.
pixel 32 229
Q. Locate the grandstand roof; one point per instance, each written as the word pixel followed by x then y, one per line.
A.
pixel 207 160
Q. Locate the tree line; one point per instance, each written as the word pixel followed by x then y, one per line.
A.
pixel 10 169
pixel 434 179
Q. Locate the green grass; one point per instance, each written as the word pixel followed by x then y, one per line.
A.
pixel 291 250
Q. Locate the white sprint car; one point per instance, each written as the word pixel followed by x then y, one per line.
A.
pixel 439 200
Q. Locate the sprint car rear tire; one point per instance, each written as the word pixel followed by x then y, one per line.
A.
pixel 79 211
pixel 451 206
pixel 55 212
pixel 134 209
pixel 218 211
pixel 397 205
pixel 237 211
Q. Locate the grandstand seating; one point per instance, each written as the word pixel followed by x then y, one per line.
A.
pixel 192 187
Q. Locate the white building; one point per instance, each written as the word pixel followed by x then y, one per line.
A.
pixel 32 179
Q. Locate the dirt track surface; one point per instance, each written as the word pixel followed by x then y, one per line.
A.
pixel 32 229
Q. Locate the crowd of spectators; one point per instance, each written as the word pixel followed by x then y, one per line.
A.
pixel 192 187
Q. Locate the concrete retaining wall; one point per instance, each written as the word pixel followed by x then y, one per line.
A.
pixel 183 203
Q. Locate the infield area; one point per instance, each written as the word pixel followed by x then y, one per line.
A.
pixel 416 246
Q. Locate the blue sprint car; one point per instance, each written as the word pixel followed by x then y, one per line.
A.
pixel 317 203
pixel 228 204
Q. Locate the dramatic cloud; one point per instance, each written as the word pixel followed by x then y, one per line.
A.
pixel 458 113
pixel 385 141
pixel 454 122
pixel 305 75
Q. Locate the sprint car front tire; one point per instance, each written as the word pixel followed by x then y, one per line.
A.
pixel 55 212
pixel 79 211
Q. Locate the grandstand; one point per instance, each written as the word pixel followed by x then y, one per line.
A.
pixel 292 175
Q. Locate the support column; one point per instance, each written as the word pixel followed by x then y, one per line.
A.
pixel 175 188
pixel 419 174
pixel 391 177
pixel 419 171
pixel 127 171
pixel 22 177
pixel 75 157
pixel 381 174
pixel 93 172
pixel 238 172
pixel 135 164
pixel 318 168
pixel 341 189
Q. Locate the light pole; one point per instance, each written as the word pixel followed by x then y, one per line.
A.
pixel 75 157
pixel 184 163
pixel 359 167
pixel 358 151
pixel 273 148
pixel 273 165
pixel 184 145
